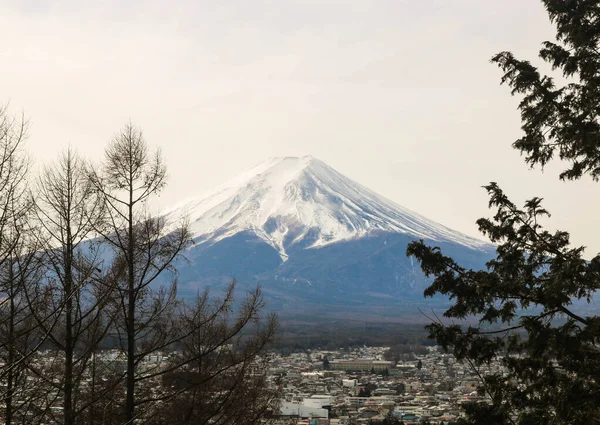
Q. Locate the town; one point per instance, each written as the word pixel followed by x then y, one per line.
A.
pixel 357 386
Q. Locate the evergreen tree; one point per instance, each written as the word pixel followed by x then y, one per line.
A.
pixel 419 365
pixel 524 299
pixel 364 392
pixel 400 388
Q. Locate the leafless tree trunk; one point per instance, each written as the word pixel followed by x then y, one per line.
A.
pixel 143 249
pixel 69 212
pixel 19 333
pixel 19 265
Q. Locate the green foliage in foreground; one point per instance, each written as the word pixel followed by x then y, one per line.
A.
pixel 550 350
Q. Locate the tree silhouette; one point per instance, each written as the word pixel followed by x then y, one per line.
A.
pixel 524 299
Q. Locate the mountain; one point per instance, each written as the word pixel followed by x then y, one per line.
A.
pixel 313 238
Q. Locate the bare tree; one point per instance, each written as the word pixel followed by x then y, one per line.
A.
pixel 19 333
pixel 19 266
pixel 13 170
pixel 94 264
pixel 216 375
pixel 144 248
pixel 77 292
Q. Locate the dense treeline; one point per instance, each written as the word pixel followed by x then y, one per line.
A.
pixel 85 267
pixel 336 335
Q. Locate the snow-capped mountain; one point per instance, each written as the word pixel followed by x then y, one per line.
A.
pixel 291 200
pixel 314 239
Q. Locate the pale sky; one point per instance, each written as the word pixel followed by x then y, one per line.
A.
pixel 397 94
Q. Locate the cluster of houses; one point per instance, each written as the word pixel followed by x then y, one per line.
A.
pixel 359 386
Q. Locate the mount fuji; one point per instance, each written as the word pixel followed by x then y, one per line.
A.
pixel 314 239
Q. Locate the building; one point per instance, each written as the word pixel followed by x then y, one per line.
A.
pixel 361 365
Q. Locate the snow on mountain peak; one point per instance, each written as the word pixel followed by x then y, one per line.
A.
pixel 289 200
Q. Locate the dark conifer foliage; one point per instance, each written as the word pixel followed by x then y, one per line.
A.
pixel 524 299
pixel 561 120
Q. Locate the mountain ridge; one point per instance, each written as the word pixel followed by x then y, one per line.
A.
pixel 318 243
pixel 289 201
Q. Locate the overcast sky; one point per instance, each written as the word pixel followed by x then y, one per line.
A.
pixel 396 94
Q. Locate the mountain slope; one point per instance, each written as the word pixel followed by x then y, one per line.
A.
pixel 304 202
pixel 314 239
